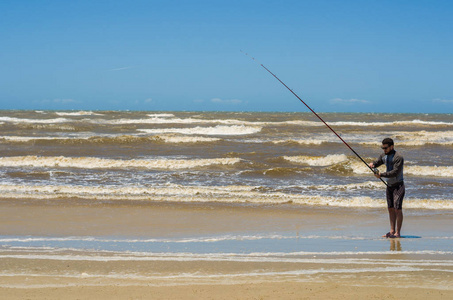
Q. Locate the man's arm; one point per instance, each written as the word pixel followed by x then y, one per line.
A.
pixel 377 162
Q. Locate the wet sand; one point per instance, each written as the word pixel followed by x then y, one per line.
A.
pixel 165 219
pixel 321 259
pixel 147 219
pixel 267 290
pixel 47 279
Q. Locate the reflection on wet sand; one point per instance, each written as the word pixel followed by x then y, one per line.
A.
pixel 395 245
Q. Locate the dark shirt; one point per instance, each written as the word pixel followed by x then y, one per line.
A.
pixel 395 164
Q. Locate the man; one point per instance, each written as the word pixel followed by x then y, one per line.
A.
pixel 395 185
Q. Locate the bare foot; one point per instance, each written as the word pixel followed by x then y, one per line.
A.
pixel 389 235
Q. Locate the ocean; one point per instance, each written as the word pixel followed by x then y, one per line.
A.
pixel 221 157
pixel 230 187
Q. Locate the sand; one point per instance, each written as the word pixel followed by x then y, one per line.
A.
pixel 330 289
pixel 400 269
pixel 286 290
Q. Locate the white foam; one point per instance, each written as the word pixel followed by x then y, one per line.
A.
pixel 34 121
pixel 185 240
pixel 208 239
pixel 96 278
pixel 171 119
pixel 419 138
pixel 161 115
pixel 79 113
pixel 103 163
pixel 352 186
pixel 358 167
pixel 319 161
pixel 217 130
pixel 309 141
pixel 187 139
pixel 25 139
pixel 168 119
pixel 368 124
pixel 395 123
pixel 163 138
pixel 431 171
pixel 315 257
pixel 198 275
pixel 436 171
pixel 194 194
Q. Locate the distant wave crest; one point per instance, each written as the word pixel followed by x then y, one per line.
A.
pixel 217 130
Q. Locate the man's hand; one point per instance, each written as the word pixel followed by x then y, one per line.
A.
pixel 376 171
pixel 377 174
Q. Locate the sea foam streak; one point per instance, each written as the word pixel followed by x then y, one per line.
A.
pixel 327 257
pixel 162 115
pixel 185 240
pixel 197 194
pixel 310 141
pixel 79 113
pixel 111 139
pixel 432 171
pixel 171 119
pixel 34 121
pixel 104 163
pixel 419 138
pixel 395 123
pixel 318 161
pixel 358 167
pixel 217 130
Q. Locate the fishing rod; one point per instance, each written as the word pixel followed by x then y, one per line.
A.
pixel 374 170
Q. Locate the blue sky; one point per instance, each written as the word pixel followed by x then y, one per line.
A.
pixel 344 56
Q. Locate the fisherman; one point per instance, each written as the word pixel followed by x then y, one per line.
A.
pixel 395 185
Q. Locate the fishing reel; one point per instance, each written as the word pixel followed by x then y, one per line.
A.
pixel 375 170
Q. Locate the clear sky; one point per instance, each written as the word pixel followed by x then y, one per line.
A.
pixel 344 56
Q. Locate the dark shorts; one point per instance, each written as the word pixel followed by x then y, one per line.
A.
pixel 395 196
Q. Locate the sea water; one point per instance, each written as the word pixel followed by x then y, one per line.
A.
pixel 221 157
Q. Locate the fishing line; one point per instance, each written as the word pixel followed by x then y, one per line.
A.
pixel 372 170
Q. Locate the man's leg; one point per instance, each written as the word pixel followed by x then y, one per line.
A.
pixel 398 196
pixel 392 217
pixel 399 222
pixel 392 213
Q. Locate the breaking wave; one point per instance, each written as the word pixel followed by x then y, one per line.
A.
pixel 217 130
pixel 197 194
pixel 420 138
pixel 358 167
pixel 79 113
pixel 104 163
pixel 117 139
pixel 34 121
pixel 318 161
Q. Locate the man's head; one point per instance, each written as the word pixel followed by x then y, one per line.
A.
pixel 387 145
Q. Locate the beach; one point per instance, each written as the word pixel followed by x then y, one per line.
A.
pixel 191 205
pixel 218 252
